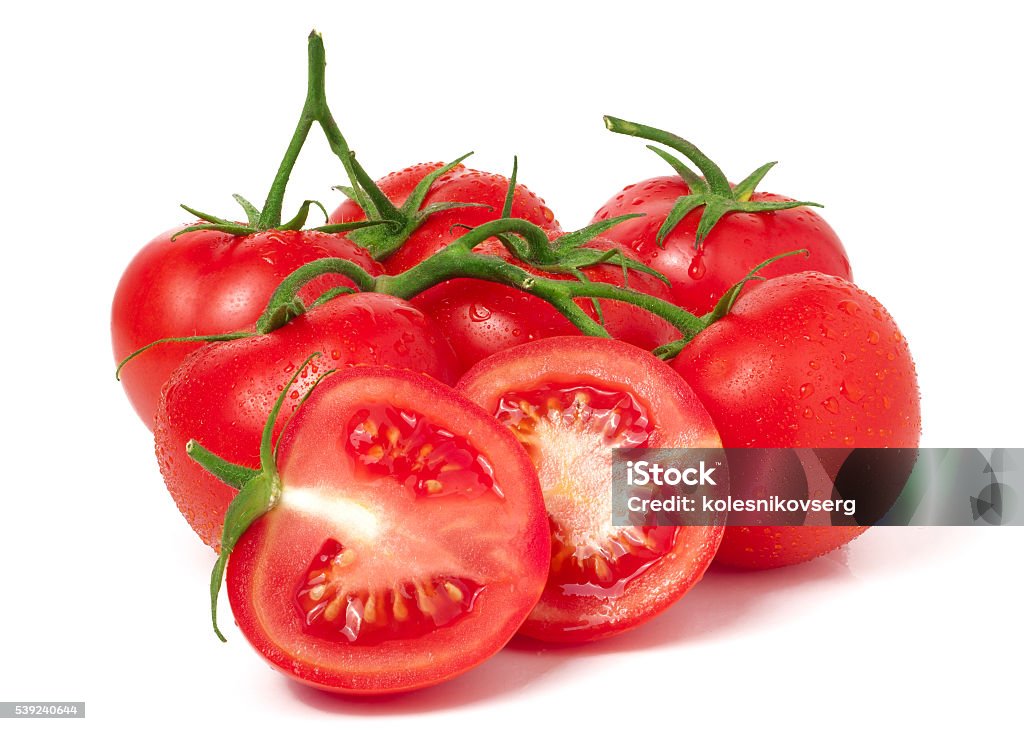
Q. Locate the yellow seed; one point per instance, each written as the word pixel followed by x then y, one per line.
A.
pixel 399 609
pixel 433 486
pixel 345 558
pixel 601 568
pixel 426 449
pixel 423 600
pixel 392 434
pixel 370 428
pixel 334 608
pixel 370 610
pixel 317 592
pixel 375 452
pixel 454 592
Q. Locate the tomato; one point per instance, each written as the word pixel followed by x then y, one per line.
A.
pixel 461 185
pixel 482 318
pixel 738 242
pixel 408 545
pixel 221 395
pixel 570 401
pixel 204 283
pixel 803 360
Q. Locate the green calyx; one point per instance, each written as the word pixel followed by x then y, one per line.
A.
pixel 713 191
pixel 314 110
pixel 258 490
pixel 724 306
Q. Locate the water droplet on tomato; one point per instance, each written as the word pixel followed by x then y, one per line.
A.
pixel 872 337
pixel 479 313
pixel 851 391
pixel 697 269
pixel 806 390
pixel 808 413
pixel 831 405
pixel 849 307
pixel 549 215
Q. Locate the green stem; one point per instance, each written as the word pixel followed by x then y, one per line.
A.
pixel 285 304
pixel 712 173
pixel 311 111
pixel 459 260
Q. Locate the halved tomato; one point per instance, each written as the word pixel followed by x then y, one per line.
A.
pixel 408 545
pixel 570 401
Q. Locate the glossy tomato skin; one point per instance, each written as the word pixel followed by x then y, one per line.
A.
pixel 677 420
pixel 205 283
pixel 499 541
pixel 462 185
pixel 222 394
pixel 737 243
pixel 482 318
pixel 804 360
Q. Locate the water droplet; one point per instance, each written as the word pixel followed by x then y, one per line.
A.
pixel 549 215
pixel 815 365
pixel 697 268
pixel 849 307
pixel 808 413
pixel 831 405
pixel 479 313
pixel 806 390
pixel 873 337
pixel 851 391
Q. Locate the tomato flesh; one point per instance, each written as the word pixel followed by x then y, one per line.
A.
pixel 363 578
pixel 570 401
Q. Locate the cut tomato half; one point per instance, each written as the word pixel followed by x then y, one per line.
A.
pixel 570 401
pixel 408 545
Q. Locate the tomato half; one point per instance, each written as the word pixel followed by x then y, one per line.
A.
pixel 409 543
pixel 205 283
pixel 737 243
pixel 570 401
pixel 459 185
pixel 482 318
pixel 222 394
pixel 803 360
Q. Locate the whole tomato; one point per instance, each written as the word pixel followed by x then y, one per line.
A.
pixel 485 192
pixel 205 283
pixel 803 360
pixel 727 231
pixel 481 318
pixel 222 394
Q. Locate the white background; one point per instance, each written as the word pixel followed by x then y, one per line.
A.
pixel 903 119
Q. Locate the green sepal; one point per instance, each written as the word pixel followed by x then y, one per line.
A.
pixel 187 339
pixel 330 294
pixel 725 303
pixel 713 192
pixel 510 194
pixel 258 495
pixel 252 213
pixel 229 473
pixel 300 218
pixel 383 242
pixel 337 228
pixel 255 499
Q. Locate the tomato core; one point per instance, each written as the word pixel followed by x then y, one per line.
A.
pixel 569 430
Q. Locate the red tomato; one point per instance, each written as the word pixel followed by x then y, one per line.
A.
pixel 803 360
pixel 205 283
pixel 222 394
pixel 409 543
pixel 737 243
pixel 482 318
pixel 462 185
pixel 570 401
